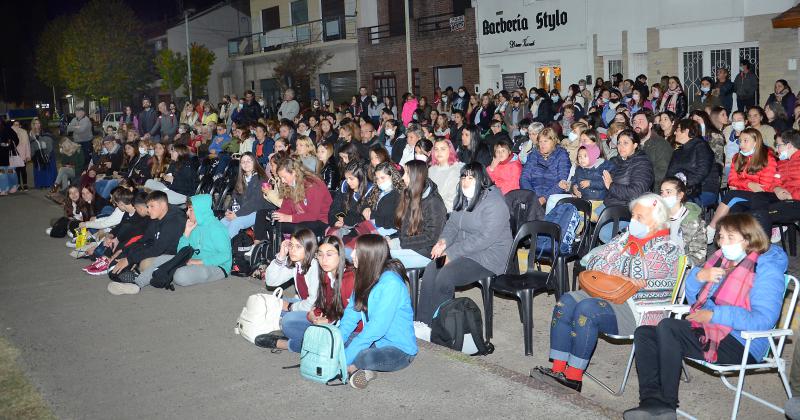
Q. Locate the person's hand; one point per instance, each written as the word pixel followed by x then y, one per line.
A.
pixel 702 316
pixel 169 178
pixel 367 212
pixel 339 222
pixel 190 225
pixel 82 224
pixel 282 218
pixel 564 185
pixel 284 248
pixel 640 283
pixel 607 179
pixel 438 249
pixel 317 320
pixel 107 241
pixel 755 187
pixel 542 201
pixel 585 183
pixel 194 262
pixel 782 193
pixel 146 136
pixel 230 215
pixel 577 193
pixel 121 264
pixel 711 274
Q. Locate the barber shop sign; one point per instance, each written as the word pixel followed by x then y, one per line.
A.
pixel 526 26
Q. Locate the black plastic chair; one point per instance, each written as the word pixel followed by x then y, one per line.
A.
pixel 523 206
pixel 790 236
pixel 577 249
pixel 531 283
pixel 611 214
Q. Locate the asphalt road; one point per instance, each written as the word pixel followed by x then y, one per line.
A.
pixel 174 355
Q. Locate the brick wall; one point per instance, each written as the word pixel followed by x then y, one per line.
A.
pixel 775 48
pixel 430 50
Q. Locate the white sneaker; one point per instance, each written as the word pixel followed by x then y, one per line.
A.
pixel 117 289
pixel 70 234
pixel 711 233
pixel 361 378
pixel 48 230
pixel 422 331
pixel 77 253
pixel 71 243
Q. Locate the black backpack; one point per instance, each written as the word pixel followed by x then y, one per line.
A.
pixel 453 320
pixel 240 244
pixel 162 276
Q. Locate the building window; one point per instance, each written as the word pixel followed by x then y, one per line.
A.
pixel 692 72
pixel 695 63
pixel 614 67
pixel 385 84
pixel 448 76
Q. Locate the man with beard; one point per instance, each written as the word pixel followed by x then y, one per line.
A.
pixel 657 148
pixel 147 118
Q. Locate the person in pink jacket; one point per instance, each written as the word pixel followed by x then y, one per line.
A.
pixel 505 169
pixel 409 106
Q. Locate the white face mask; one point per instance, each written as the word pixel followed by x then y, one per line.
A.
pixel 461 94
pixel 572 136
pixel 386 186
pixel 638 229
pixel 261 103
pixel 670 201
pixel 705 89
pixel 389 132
pixel 151 152
pixel 738 125
pixel 181 130
pixel 702 129
pixel 444 99
pixel 420 157
pixel 733 252
pixel 524 131
pixel 142 151
pixel 469 192
pixel 554 98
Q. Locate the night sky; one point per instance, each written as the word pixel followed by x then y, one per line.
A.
pixel 22 21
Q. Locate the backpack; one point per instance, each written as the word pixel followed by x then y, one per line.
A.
pixel 240 244
pixel 322 356
pixel 568 218
pixel 261 315
pixel 162 276
pixel 456 318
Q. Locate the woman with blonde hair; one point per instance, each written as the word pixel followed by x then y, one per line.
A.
pixel 306 152
pixel 70 160
pixel 189 116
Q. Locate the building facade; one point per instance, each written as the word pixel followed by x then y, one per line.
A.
pixel 444 50
pixel 553 43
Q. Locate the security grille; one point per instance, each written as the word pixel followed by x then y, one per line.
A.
pixel 692 72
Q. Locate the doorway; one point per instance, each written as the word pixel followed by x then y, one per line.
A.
pixel 549 76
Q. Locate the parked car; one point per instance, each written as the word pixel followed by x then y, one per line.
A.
pixel 112 119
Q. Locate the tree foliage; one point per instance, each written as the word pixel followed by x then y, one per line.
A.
pixel 103 52
pixel 47 50
pixel 171 67
pixel 202 59
pixel 296 68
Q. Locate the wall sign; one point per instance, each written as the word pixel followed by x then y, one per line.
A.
pixel 505 25
pixel 457 23
pixel 513 81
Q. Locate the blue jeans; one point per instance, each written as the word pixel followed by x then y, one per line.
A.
pixel 105 186
pixel 706 199
pixel 294 325
pixel 239 223
pixel 8 178
pixel 381 359
pixel 575 327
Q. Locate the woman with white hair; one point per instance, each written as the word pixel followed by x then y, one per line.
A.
pixel 644 256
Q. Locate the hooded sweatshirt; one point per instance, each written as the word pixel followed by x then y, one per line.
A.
pixel 161 237
pixel 209 237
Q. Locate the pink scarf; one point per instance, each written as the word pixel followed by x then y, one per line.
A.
pixel 673 98
pixel 733 290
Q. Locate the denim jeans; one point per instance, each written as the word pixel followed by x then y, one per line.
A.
pixel 294 325
pixel 105 186
pixel 381 359
pixel 239 223
pixel 8 178
pixel 575 327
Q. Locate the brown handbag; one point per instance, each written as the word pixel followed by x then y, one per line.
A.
pixel 614 289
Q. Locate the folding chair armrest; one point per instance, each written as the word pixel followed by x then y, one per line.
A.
pixel 749 335
pixel 678 309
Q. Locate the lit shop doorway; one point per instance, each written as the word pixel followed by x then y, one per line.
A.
pixel 549 76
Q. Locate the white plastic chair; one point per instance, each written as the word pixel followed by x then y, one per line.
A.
pixel 678 296
pixel 772 360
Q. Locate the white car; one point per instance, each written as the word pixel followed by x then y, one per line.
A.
pixel 112 119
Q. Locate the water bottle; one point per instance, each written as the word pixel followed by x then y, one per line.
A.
pixel 235 206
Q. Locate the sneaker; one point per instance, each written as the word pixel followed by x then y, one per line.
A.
pixel 711 233
pixel 78 253
pixel 71 243
pixel 90 266
pixel 422 331
pixel 269 340
pixel 360 379
pixel 48 230
pixel 117 289
pixel 776 235
pixel 101 267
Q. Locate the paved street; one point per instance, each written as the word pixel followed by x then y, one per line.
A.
pixel 173 355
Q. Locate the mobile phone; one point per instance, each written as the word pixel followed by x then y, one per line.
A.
pixel 340 214
pixel 440 261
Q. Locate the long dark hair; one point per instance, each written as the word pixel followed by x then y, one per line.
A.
pixel 80 205
pixel 482 184
pixel 257 170
pixel 758 160
pixel 374 259
pixel 309 241
pixel 411 199
pixel 332 310
pixel 351 151
pixel 183 155
pixel 359 171
pixel 474 140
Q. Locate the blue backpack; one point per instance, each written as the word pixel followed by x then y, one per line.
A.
pixel 568 218
pixel 322 357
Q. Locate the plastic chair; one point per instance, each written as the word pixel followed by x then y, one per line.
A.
pixel 611 214
pixel 789 236
pixel 521 203
pixel 576 251
pixel 772 360
pixel 678 296
pixel 531 283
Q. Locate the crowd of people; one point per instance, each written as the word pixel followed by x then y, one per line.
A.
pixel 345 187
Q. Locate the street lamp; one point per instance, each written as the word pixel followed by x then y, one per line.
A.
pixel 186 14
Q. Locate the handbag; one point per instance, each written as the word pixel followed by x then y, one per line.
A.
pixel 614 289
pixel 16 161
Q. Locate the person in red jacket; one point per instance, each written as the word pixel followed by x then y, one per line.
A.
pixel 336 283
pixel 751 181
pixel 784 207
pixel 505 169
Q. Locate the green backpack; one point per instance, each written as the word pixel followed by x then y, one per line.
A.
pixel 322 357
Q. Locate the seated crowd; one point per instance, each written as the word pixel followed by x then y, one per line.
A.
pixel 340 191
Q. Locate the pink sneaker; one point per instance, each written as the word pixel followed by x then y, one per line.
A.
pixel 100 268
pixel 95 263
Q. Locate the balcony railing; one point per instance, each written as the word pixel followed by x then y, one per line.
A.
pixel 440 22
pixel 313 32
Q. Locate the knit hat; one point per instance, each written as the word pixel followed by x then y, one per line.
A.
pixel 593 152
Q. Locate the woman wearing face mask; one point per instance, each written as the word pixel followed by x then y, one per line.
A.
pixel 693 162
pixel 644 256
pixel 136 163
pixel 445 106
pixel 573 140
pixel 610 109
pixel 674 99
pixel 752 176
pixel 350 200
pixel 461 100
pixel 445 171
pixel 474 244
pixel 741 287
pixel 637 103
pixel 632 175
pixel 383 200
pixel 420 214
pixel 705 97
pixel 686 224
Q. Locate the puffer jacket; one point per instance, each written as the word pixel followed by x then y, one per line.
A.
pixel 506 174
pixel 765 177
pixel 542 175
pixel 789 175
pixel 434 215
pixel 694 160
pixel 597 188
pixel 630 178
pixel 330 175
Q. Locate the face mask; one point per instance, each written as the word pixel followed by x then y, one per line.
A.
pixel 386 186
pixel 670 201
pixel 638 229
pixel 444 99
pixel 469 192
pixel 747 153
pixel 240 105
pixel 421 157
pixel 533 96
pixel 524 131
pixel 705 89
pixel 142 151
pixel 389 132
pixel 636 98
pixel 738 125
pixel 261 103
pixel 656 94
pixel 374 99
pixel 572 136
pixel 733 252
pixel 614 100
pixel 461 94
pixel 151 152
pixel 554 98
pixel 784 155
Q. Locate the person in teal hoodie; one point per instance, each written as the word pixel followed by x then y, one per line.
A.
pixel 209 238
pixel 381 300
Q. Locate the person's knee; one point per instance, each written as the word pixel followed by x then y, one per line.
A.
pixel 146 264
pixel 183 277
pixel 644 333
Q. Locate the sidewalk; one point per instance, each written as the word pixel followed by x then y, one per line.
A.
pixel 174 355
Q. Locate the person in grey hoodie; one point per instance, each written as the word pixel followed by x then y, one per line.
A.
pixel 166 125
pixel 475 242
pixel 81 129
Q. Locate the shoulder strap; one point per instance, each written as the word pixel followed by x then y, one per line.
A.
pixel 477 334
